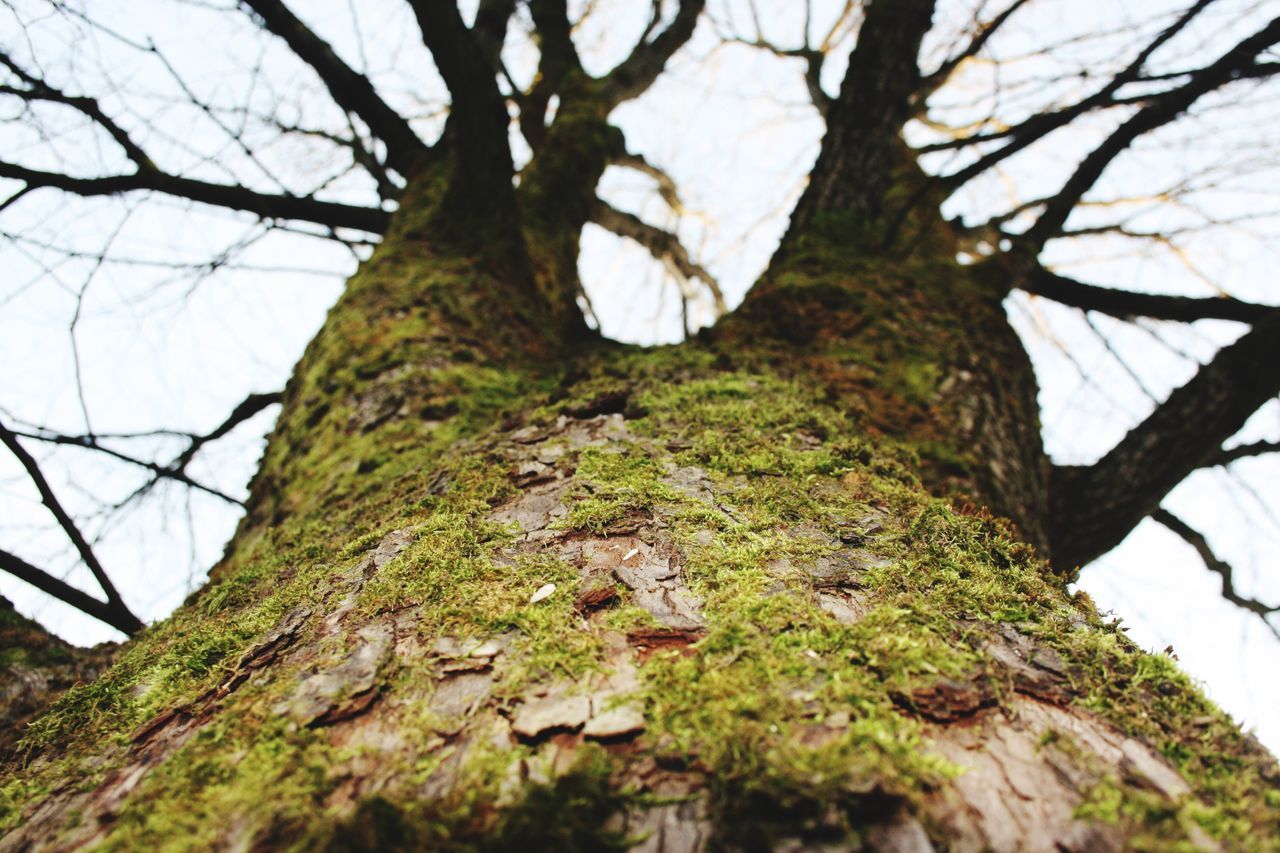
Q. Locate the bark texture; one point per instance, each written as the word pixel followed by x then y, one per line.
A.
pixel 669 600
pixel 504 585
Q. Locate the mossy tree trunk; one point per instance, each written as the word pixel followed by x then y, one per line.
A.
pixel 504 584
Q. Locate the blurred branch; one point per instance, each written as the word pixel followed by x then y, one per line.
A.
pixel 813 59
pixel 1126 304
pixel 350 90
pixel 1216 565
pixel 1094 507
pixel 667 188
pixel 124 618
pixel 41 91
pixel 1245 451
pixel 663 245
pixel 934 80
pixel 635 74
pixel 265 205
pixel 103 611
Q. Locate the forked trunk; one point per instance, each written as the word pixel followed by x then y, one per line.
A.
pixel 496 592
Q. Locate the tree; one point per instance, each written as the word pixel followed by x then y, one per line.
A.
pixel 798 581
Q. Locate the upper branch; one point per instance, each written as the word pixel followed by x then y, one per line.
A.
pixel 479 192
pixel 103 611
pixel 1244 451
pixel 1160 111
pixel 1126 304
pixel 935 79
pixel 1094 507
pixel 265 205
pixel 490 27
pixel 663 245
pixel 41 91
pixel 557 59
pixel 176 469
pixel 1042 124
pixel 638 71
pixel 351 90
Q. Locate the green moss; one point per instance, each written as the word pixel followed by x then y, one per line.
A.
pixel 787 710
pixel 618 482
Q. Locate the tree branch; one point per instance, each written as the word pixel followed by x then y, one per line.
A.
pixel 1042 124
pixel 479 194
pixel 244 410
pixel 667 188
pixel 1245 451
pixel 175 470
pixel 557 59
pixel 265 205
pixel 106 612
pixel 1126 305
pixel 635 74
pixel 89 107
pixel 663 245
pixel 490 27
pixel 933 81
pixel 1216 565
pixel 1160 111
pixel 350 90
pixel 813 59
pixel 89 442
pixel 1094 507
pixel 69 527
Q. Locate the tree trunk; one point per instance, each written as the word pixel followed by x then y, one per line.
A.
pixel 497 591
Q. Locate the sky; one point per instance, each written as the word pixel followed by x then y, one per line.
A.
pixel 144 341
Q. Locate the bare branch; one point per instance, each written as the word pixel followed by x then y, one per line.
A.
pixel 1245 451
pixel 813 59
pixel 265 205
pixel 91 442
pixel 667 188
pixel 351 90
pixel 176 469
pixel 1160 111
pixel 855 166
pixel 244 410
pixel 663 245
pixel 1126 304
pixel 935 79
pixel 1094 507
pixel 103 611
pixel 41 91
pixel 69 527
pixel 1044 123
pixel 637 72
pixel 1217 565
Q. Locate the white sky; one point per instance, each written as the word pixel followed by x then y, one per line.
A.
pixel 734 127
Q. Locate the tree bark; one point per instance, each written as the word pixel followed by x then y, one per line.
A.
pixel 502 584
